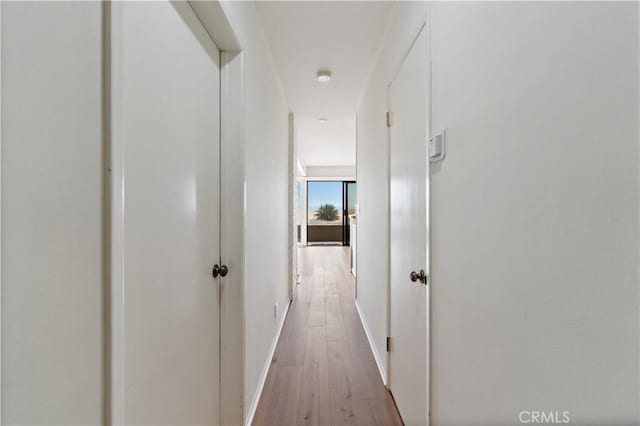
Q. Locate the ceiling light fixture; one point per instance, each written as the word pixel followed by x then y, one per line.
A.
pixel 324 76
pixel 323 120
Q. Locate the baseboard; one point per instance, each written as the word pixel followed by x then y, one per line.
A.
pixel 376 356
pixel 265 370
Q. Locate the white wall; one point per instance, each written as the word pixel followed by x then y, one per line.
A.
pixel 266 165
pixel 373 173
pixel 534 211
pixel 52 177
pixel 342 172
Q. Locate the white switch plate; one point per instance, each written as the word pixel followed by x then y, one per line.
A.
pixel 437 147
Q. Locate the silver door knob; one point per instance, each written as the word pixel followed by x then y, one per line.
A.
pixel 418 276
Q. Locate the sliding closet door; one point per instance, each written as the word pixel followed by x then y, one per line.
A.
pixel 52 204
pixel 168 70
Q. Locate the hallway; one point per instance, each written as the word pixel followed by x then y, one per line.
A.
pixel 335 212
pixel 323 371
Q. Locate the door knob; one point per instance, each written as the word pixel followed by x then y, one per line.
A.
pixel 418 276
pixel 220 270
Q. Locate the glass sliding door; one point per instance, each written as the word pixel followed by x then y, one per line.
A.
pixel 324 212
pixel 329 205
pixel 299 211
pixel 349 210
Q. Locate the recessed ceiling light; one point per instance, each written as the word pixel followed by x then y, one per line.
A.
pixel 323 120
pixel 324 76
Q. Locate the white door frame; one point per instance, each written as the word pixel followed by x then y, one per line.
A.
pixel 0 212
pixel 426 27
pixel 232 236
pixel 293 196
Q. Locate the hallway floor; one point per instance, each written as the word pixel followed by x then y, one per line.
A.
pixel 323 371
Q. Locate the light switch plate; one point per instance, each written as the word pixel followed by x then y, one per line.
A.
pixel 437 148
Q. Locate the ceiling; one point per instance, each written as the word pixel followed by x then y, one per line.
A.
pixel 327 144
pixel 308 36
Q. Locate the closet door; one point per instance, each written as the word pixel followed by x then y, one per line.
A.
pixel 168 71
pixel 409 192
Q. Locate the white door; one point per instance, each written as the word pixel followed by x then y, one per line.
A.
pixel 408 96
pixel 170 78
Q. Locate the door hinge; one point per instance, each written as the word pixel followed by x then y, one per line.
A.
pixel 388 344
pixel 389 118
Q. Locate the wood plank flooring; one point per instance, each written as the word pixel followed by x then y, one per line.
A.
pixel 323 372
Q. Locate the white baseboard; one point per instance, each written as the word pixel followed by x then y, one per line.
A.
pixel 265 369
pixel 376 355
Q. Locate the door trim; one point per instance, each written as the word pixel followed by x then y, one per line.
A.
pixel 106 214
pixel 232 238
pixel 429 118
pixel 0 211
pixel 113 86
pixel 232 244
pixel 292 197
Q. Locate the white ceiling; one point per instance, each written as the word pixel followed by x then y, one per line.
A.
pixel 327 144
pixel 307 36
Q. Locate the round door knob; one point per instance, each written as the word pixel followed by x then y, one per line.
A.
pixel 224 270
pixel 418 276
pixel 220 270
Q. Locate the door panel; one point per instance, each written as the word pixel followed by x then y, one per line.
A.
pixel 170 76
pixel 409 234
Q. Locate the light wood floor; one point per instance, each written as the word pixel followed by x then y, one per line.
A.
pixel 323 371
